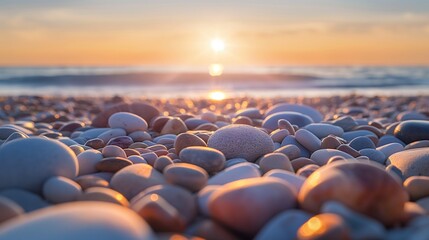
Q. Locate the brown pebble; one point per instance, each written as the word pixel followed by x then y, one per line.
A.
pixel 186 175
pixel 417 187
pixel 103 195
pixel 112 164
pixel 272 161
pixel 185 140
pixel 95 143
pixel 330 142
pixel 324 226
pixel 131 152
pixel 88 181
pixel 347 149
pixel 174 125
pixel 307 170
pixel 301 162
pixel 162 162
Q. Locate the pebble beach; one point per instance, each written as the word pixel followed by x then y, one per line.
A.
pixel 129 168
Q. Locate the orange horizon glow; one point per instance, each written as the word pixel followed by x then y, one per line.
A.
pixel 242 33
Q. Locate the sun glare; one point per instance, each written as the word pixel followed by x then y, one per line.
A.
pixel 218 45
pixel 217 95
pixel 215 70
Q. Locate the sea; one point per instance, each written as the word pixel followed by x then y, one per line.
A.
pixel 196 82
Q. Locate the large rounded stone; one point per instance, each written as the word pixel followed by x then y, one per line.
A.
pixel 27 163
pixel 84 221
pixel 412 130
pixel 304 109
pixel 133 179
pixel 127 121
pixel 413 162
pixel 186 175
pixel 247 205
pixel 211 160
pixel 241 141
pixel 363 187
pixel 144 110
pixel 271 121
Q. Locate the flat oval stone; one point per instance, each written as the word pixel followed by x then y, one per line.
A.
pixel 186 175
pixel 412 130
pixel 315 115
pixel 248 195
pixel 275 161
pixel 27 163
pixel 133 179
pixel 60 190
pixel 122 141
pixel 322 156
pixel 373 155
pixel 102 194
pixel 174 126
pixel 185 140
pixel 308 140
pixel 113 151
pixel 79 220
pixel 88 160
pixel 322 130
pixel 361 142
pixel 361 186
pixel 249 112
pixel 417 187
pixel 112 133
pixel 128 121
pixel 271 121
pixel 27 200
pixel 391 148
pixel 210 159
pixel 234 173
pixel 294 180
pixel 112 164
pixel 253 142
pixel 413 162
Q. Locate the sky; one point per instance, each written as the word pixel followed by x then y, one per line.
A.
pixel 173 32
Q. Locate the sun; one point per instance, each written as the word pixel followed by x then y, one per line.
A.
pixel 218 45
pixel 217 95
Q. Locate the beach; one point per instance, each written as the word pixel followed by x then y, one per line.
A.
pixel 124 167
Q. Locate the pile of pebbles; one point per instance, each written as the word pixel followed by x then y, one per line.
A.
pixel 350 167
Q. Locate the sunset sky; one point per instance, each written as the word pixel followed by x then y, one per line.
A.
pixel 255 32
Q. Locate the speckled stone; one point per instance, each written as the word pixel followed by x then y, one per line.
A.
pixel 253 142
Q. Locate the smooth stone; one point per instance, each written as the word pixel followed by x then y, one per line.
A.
pixel 307 139
pixel 330 142
pixel 324 226
pixel 253 142
pixel 185 140
pixel 162 162
pixel 290 151
pixel 291 140
pixel 322 130
pixel 271 121
pixel 363 187
pixel 159 214
pixel 278 135
pixel 395 172
pixel 209 229
pixel 417 144
pixel 174 126
pixel 128 121
pixel 181 199
pixel 27 163
pixel 186 175
pixel 88 160
pixel 140 136
pixel 315 115
pixel 209 116
pixel 322 156
pixel 391 148
pixel 88 181
pixel 234 173
pixel 294 180
pixel 307 170
pixel 349 136
pixel 102 194
pixel 250 113
pixel 203 197
pixel 411 115
pixel 112 164
pixel 417 187
pixel 285 124
pixel 122 141
pixel 93 133
pixel 374 155
pixel 210 159
pixel 113 151
pixel 301 162
pixel 77 149
pixel 5 132
pixel 27 200
pixel 272 161
pixel 424 203
pixel 360 226
pixel 84 221
pixel 412 130
pixel 69 142
pixel 347 123
pixel 137 159
pixel 233 161
pixel 360 143
pixel 95 143
pixel 9 209
pixel 133 179
pixel 61 190
pixel 412 162
pixel 150 157
pixel 248 195
pixel 16 135
pixel 112 133
pixel 386 139
pixel 283 226
pixel 144 110
pixel 192 123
